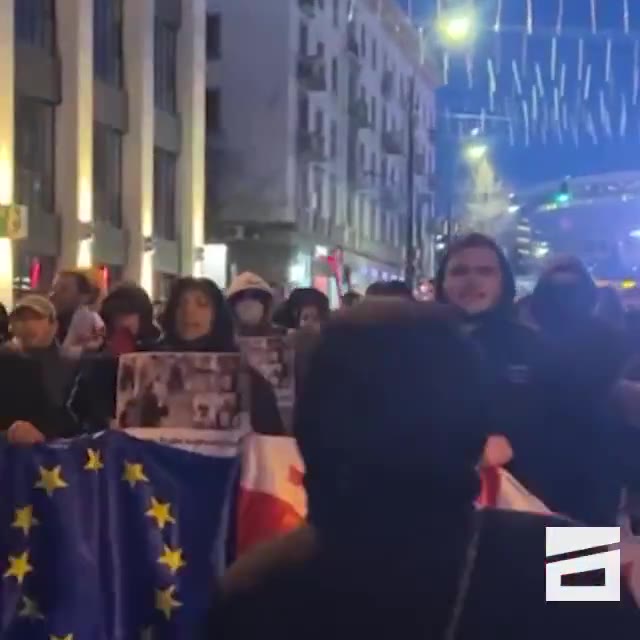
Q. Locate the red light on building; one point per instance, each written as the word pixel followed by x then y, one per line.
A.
pixel 35 273
pixel 104 277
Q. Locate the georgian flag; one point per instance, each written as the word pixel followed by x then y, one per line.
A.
pixel 500 489
pixel 272 499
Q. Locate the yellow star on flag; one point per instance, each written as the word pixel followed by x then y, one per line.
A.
pixel 161 513
pixel 134 473
pixel 50 480
pixel 69 636
pixel 172 558
pixel 24 519
pixel 165 601
pixel 30 609
pixel 94 460
pixel 19 567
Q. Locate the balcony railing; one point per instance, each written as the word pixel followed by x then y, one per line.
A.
pixel 312 72
pixel 311 146
pixel 308 7
pixel 392 143
pixel 360 113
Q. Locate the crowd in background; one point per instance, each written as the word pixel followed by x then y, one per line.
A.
pixel 395 398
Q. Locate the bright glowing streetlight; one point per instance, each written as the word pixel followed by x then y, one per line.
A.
pixel 475 152
pixel 457 28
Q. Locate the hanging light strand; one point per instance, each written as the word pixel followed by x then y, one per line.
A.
pixel 560 19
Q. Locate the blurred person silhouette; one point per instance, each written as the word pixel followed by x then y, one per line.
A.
pixel 389 289
pixel 393 547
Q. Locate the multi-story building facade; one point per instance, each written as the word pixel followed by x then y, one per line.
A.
pixel 102 138
pixel 308 107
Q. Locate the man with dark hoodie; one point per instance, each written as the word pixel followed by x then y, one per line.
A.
pixel 394 547
pixel 565 456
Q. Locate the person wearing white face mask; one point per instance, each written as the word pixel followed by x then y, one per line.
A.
pixel 251 301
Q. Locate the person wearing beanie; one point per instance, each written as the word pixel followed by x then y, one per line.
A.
pixel 393 547
pixel 251 301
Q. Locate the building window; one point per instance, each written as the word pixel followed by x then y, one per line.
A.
pixel 374 53
pixel 107 174
pixel 213 36
pixel 336 13
pixel 35 23
pixel 317 202
pixel 303 112
pixel 319 122
pixel 213 110
pixel 361 156
pixel 334 76
pixel 107 41
pixel 333 143
pixel 374 163
pixel 363 41
pixel 164 194
pixel 165 66
pixel 34 154
pixel 303 38
pixel 374 112
pixel 333 199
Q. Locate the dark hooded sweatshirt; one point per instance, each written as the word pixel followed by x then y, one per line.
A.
pixel 561 453
pixel 394 548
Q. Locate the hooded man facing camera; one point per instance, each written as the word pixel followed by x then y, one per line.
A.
pixel 562 441
pixel 394 547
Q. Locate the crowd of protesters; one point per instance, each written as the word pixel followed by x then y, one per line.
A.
pixel 398 404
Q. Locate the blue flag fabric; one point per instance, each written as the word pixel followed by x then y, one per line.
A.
pixel 110 538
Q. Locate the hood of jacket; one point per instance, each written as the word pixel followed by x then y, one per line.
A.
pixel 249 281
pixel 564 295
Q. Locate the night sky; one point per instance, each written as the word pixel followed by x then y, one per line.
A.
pixel 567 83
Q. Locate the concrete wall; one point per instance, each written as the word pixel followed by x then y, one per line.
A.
pixel 253 165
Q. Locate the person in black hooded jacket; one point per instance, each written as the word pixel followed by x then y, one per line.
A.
pixel 559 452
pixel 197 318
pixel 393 547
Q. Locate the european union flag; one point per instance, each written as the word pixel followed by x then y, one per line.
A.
pixel 110 538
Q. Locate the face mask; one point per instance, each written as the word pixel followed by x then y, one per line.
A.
pixel 250 312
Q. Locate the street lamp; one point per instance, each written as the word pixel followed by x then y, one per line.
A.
pixel 475 152
pixel 457 28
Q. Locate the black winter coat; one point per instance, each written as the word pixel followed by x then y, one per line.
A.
pixel 569 447
pixel 403 584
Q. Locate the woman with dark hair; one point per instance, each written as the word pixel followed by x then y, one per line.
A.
pixel 390 289
pixel 127 313
pixel 393 547
pixel 308 308
pixel 197 319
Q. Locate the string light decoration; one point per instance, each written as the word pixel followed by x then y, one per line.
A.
pixel 550 71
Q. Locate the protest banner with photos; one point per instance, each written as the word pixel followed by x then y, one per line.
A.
pixel 273 357
pixel 195 401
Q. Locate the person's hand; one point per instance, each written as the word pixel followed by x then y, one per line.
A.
pixel 22 432
pixel 497 452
